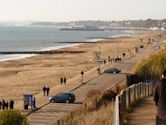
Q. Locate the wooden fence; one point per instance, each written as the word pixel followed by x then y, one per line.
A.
pixel 127 98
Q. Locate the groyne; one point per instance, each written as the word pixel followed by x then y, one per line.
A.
pixel 42 52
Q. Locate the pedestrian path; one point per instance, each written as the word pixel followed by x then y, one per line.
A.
pixel 71 85
pixel 75 82
pixel 143 113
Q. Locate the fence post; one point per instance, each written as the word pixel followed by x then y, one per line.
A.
pixel 117 114
pixel 148 89
pixel 129 96
pixel 58 122
pixel 145 90
pixel 134 92
pixel 121 110
pixel 142 91
pixel 122 106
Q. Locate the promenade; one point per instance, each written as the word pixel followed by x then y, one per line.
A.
pixel 50 113
pixel 143 113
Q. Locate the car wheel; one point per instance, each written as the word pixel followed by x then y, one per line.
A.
pixel 67 101
pixel 114 72
pixel 53 101
pixel 72 101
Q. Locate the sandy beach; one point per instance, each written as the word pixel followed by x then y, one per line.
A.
pixel 29 75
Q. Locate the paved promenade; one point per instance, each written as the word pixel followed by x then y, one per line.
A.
pixel 143 113
pixel 70 86
pixel 75 82
pixel 91 77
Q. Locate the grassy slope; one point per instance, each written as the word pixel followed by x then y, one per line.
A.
pixel 152 67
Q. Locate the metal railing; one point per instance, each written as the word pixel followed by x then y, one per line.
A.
pixel 127 98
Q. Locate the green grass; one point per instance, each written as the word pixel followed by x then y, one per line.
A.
pixel 152 67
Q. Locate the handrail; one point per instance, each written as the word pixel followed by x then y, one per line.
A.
pixel 127 98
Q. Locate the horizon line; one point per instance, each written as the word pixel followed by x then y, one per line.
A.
pixel 82 20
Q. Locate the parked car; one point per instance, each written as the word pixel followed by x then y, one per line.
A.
pixel 112 70
pixel 65 97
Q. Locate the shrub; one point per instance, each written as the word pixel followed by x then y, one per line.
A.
pixel 12 117
pixel 153 67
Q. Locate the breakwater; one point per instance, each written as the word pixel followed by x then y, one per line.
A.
pixel 42 52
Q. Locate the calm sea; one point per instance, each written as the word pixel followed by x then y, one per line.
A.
pixel 45 38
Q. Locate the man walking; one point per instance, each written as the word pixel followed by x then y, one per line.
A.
pixel 7 105
pixel 160 100
pixel 0 105
pixel 11 104
pixel 3 104
pixel 44 90
pixel 47 90
pixel 98 69
pixel 82 76
pixel 61 80
pixel 64 80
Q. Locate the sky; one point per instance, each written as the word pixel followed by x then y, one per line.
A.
pixel 70 10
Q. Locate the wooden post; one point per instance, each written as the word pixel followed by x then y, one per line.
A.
pixel 129 97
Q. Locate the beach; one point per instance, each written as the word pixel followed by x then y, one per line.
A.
pixel 29 75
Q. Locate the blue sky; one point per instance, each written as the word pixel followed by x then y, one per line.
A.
pixel 67 10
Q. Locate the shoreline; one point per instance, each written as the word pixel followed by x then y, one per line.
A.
pixel 17 55
pixel 29 75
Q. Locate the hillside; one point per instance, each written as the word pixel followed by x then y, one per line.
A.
pixel 109 24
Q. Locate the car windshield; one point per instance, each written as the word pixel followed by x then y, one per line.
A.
pixel 114 69
pixel 59 94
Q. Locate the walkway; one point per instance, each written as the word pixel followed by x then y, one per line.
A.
pixel 91 74
pixel 143 113
pixel 71 85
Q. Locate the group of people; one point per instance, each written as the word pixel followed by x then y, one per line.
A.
pixel 5 105
pixel 63 80
pixel 114 59
pixel 46 90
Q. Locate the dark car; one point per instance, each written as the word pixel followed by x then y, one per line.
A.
pixel 112 70
pixel 63 98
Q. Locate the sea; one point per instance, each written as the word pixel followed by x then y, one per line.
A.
pixel 38 38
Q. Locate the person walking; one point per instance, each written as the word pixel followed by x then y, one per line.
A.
pixel 64 80
pixel 61 80
pixel 0 105
pixel 3 104
pixel 11 104
pixel 47 91
pixel 104 62
pixel 98 69
pixel 109 58
pixel 7 105
pixel 160 99
pixel 82 75
pixel 44 90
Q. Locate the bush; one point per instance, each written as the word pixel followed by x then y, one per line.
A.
pixel 12 117
pixel 153 67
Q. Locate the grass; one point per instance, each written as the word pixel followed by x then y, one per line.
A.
pixel 98 109
pixel 90 114
pixel 152 67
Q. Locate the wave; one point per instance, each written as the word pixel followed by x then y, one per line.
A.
pixel 14 57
